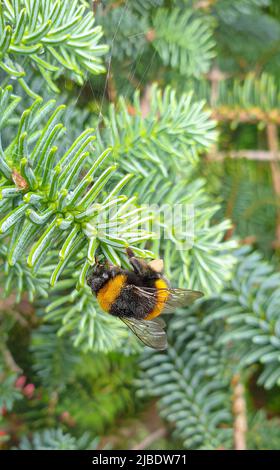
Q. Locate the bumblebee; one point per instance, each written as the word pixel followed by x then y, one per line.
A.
pixel 138 297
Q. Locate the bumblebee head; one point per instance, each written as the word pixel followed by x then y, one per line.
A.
pixel 100 274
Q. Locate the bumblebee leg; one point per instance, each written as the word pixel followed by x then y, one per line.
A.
pixel 129 252
pixel 139 266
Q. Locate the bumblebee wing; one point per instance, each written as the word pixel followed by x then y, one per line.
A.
pixel 172 298
pixel 150 332
pixel 180 298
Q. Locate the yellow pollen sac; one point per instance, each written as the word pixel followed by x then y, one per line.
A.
pixel 108 294
pixel 162 296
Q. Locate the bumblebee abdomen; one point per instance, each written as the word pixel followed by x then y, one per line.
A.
pixel 162 296
pixel 131 303
pixel 110 292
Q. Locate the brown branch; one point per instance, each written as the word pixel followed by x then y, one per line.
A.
pixel 250 240
pixel 145 101
pixel 159 433
pixel 95 4
pixel 111 88
pixel 251 115
pixel 215 76
pixel 9 360
pixel 272 139
pixel 239 412
pixel 259 155
pixel 204 4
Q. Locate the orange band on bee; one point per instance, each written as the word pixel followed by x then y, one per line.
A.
pixel 162 296
pixel 108 294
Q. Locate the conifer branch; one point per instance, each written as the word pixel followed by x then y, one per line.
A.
pixel 184 41
pixel 43 201
pixel 153 147
pixel 49 35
